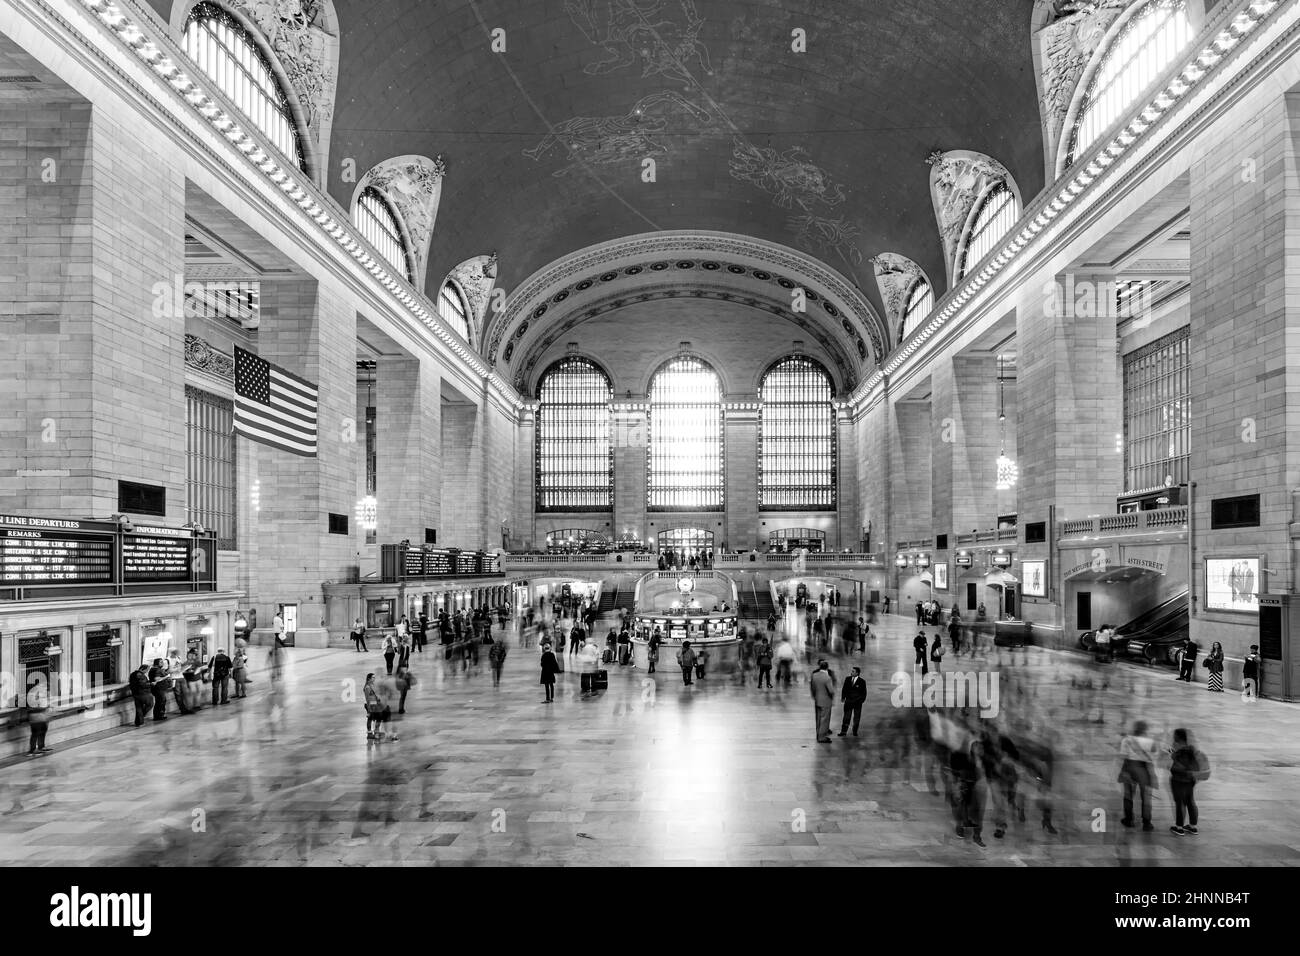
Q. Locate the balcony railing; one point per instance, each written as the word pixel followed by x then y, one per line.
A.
pixel 748 560
pixel 1161 519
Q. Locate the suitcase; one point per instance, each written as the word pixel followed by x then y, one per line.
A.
pixel 600 680
pixel 607 657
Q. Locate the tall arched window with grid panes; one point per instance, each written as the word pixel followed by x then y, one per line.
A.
pixel 685 465
pixel 575 459
pixel 996 213
pixel 919 303
pixel 796 437
pixel 1145 46
pixel 452 309
pixel 378 223
pixel 229 55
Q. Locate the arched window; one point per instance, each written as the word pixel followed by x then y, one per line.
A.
pixel 685 464
pixel 998 212
pixel 919 303
pixel 575 459
pixel 1145 47
pixel 228 54
pixel 796 438
pixel 452 309
pixel 378 223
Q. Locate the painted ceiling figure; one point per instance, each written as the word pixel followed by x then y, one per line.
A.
pixel 789 177
pixel 606 140
pixel 626 31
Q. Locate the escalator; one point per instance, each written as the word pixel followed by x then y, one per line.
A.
pixel 1154 636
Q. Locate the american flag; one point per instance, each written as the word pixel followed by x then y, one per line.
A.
pixel 273 406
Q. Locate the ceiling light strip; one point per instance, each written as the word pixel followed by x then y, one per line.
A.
pixel 1084 175
pixel 284 177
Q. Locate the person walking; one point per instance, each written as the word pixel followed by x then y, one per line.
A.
pixel 159 682
pixel 886 604
pixel 239 672
pixel 921 647
pixel 38 716
pixel 652 655
pixel 388 696
pixel 550 667
pixel 405 680
pixel 686 661
pixel 785 661
pixel 822 687
pixel 1250 676
pixel 221 668
pixel 763 657
pixel 141 693
pixel 954 631
pixel 497 658
pixel 1214 664
pixel 920 613
pixel 852 695
pixel 1187 765
pixel 359 635
pixel 936 653
pixel 390 651
pixel 1137 773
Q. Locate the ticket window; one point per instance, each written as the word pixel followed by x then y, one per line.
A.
pixel 379 613
pixel 40 655
pixel 199 636
pixel 105 666
pixel 156 641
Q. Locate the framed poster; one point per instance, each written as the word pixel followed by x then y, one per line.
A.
pixel 941 576
pixel 1232 584
pixel 1033 578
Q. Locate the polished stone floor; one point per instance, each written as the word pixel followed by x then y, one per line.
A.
pixel 648 773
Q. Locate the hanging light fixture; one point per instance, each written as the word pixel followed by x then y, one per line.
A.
pixel 1007 472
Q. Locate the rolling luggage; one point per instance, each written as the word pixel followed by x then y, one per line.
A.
pixel 608 656
pixel 600 680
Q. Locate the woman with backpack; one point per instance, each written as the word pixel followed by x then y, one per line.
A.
pixel 1214 664
pixel 1187 765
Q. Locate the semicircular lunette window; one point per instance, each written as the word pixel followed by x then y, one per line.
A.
pixel 1148 43
pixel 796 438
pixel 377 222
pixel 684 457
pixel 225 51
pixel 920 302
pixel 452 309
pixel 575 456
pixel 998 212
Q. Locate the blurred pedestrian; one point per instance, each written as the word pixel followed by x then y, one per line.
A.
pixel 38 715
pixel 763 658
pixel 785 661
pixel 497 658
pixel 822 687
pixel 388 696
pixel 1137 773
pixel 374 706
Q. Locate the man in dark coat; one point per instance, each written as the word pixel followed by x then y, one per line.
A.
pixel 853 694
pixel 221 667
pixel 141 693
pixel 160 682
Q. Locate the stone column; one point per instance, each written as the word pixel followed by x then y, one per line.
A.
pixel 311 332
pixel 409 467
pixel 462 484
pixel 741 447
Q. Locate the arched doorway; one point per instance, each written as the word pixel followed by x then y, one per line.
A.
pixel 686 543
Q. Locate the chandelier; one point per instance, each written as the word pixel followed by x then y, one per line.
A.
pixel 1007 472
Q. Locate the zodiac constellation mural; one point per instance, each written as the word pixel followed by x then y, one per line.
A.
pixel 629 34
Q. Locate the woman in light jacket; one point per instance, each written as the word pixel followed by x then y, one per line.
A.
pixel 1137 772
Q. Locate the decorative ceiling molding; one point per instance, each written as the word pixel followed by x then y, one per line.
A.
pixel 744 259
pixel 413 184
pixel 476 277
pixel 529 351
pixel 958 178
pixel 895 276
pixel 202 357
pixel 1063 47
pixel 304 36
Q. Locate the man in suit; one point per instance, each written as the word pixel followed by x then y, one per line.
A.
pixel 1187 668
pixel 853 695
pixel 822 685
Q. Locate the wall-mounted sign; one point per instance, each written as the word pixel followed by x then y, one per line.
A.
pixel 30 557
pixel 1000 559
pixel 964 559
pixel 941 576
pixel 155 558
pixel 1033 578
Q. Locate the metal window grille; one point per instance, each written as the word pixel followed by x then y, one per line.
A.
pixel 796 438
pixel 1157 412
pixel 1145 47
pixel 575 453
pixel 998 212
pixel 378 223
pixel 210 457
pixel 452 309
pixel 221 47
pixel 684 458
pixel 919 304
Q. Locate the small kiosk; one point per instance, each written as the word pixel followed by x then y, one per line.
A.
pixel 686 620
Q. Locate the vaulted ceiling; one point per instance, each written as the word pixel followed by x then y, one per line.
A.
pixel 822 150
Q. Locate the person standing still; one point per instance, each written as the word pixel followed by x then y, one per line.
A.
pixel 141 693
pixel 221 668
pixel 159 681
pixel 886 611
pixel 1250 676
pixel 38 715
pixel 853 695
pixel 550 667
pixel 686 661
pixel 1187 666
pixel 822 687
pixel 359 636
pixel 390 651
pixel 763 656
pixel 920 646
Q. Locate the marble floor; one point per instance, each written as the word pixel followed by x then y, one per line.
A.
pixel 649 772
